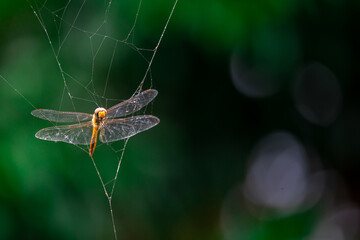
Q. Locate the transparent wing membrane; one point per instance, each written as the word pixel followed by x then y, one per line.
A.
pixel 111 129
pixel 132 105
pixel 76 134
pixel 57 116
pixel 117 129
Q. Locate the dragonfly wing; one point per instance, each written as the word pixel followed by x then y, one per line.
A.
pixel 57 116
pixel 132 105
pixel 117 129
pixel 76 134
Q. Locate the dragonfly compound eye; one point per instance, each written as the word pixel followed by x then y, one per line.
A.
pixel 101 114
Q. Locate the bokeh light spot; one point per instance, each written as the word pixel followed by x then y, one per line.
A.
pixel 250 82
pixel 338 224
pixel 317 94
pixel 278 177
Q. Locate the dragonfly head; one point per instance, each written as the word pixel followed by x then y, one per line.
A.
pixel 100 113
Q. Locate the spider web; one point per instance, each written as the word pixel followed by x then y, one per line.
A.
pixel 102 38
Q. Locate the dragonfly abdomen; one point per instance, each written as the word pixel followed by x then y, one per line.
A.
pixel 96 125
pixel 93 140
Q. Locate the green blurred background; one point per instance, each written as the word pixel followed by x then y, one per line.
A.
pixel 259 135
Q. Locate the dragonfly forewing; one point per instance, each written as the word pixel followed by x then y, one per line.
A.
pixel 57 116
pixel 117 129
pixel 106 121
pixel 76 134
pixel 132 105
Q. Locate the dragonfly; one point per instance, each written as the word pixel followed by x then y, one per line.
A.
pixel 108 122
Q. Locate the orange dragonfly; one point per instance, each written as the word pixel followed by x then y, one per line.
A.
pixel 107 121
